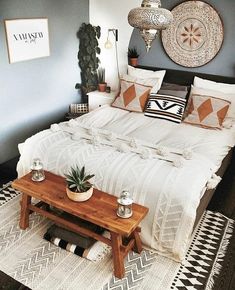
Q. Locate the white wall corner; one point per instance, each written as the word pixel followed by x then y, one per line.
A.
pixel 113 14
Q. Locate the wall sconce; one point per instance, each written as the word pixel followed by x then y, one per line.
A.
pixel 149 19
pixel 108 45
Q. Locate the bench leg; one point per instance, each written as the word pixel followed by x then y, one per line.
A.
pixel 24 216
pixel 138 244
pixel 118 261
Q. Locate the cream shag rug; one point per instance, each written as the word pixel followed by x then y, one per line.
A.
pixel 38 264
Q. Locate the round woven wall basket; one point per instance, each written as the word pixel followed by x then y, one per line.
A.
pixel 195 36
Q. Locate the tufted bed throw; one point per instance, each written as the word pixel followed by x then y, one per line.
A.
pixel 166 166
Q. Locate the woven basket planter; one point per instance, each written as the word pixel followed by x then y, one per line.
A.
pixel 79 196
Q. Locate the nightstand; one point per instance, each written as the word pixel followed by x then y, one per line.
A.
pixel 97 99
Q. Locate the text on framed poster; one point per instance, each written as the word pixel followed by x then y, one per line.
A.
pixel 27 38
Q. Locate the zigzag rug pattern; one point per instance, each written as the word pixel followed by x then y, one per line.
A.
pixel 136 265
pixel 39 264
pixel 204 260
pixel 7 193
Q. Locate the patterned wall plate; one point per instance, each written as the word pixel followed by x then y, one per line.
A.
pixel 195 36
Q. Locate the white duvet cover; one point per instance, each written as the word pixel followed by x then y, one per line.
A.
pixel 166 166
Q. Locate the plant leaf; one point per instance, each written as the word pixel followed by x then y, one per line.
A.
pixel 82 173
pixel 88 177
pixel 77 179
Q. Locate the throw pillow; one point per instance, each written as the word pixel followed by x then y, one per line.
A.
pixel 174 87
pixel 132 96
pixel 147 74
pixel 211 85
pixel 211 93
pixel 150 82
pixel 173 90
pixel 206 111
pixel 164 107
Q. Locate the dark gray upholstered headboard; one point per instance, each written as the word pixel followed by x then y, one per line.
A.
pixel 186 77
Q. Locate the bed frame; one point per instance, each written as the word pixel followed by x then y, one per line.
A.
pixel 186 78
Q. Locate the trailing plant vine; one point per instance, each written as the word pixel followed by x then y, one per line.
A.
pixel 88 61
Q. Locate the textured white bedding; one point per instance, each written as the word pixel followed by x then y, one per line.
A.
pixel 172 193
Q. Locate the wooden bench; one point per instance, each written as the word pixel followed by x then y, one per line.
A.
pixel 100 209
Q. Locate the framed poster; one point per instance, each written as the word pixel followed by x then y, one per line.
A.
pixel 27 38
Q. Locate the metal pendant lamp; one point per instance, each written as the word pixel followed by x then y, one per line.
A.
pixel 149 19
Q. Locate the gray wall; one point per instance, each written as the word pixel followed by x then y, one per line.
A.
pixel 37 92
pixel 222 64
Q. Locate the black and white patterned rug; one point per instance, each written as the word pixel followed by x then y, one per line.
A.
pixel 7 193
pixel 26 257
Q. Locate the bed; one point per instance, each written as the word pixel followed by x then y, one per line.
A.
pixel 171 168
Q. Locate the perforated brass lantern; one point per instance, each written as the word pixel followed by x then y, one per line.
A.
pixel 125 202
pixel 149 19
pixel 37 170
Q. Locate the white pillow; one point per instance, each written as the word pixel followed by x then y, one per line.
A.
pixel 219 87
pixel 217 94
pixel 145 74
pixel 151 82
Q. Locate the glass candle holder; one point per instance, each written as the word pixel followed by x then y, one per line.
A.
pixel 37 172
pixel 125 202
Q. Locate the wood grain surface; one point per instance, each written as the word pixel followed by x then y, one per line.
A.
pixel 99 209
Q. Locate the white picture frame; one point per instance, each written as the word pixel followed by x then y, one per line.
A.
pixel 27 38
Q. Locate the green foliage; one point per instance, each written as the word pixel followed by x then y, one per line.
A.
pixel 88 61
pixel 133 53
pixel 77 180
pixel 101 75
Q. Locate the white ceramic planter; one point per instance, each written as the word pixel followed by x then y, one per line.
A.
pixel 79 196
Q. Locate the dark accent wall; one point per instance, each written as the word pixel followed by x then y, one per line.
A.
pixel 222 64
pixel 36 93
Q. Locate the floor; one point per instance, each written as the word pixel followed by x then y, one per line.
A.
pixel 222 201
pixel 8 173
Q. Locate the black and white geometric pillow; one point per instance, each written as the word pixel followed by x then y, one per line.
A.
pixel 164 107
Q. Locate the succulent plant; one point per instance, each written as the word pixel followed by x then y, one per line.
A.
pixel 133 53
pixel 77 180
pixel 88 61
pixel 101 75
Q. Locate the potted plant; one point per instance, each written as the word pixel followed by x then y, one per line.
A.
pixel 101 79
pixel 88 60
pixel 133 56
pixel 78 186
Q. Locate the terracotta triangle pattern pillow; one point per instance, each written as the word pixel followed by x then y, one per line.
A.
pixel 132 96
pixel 206 111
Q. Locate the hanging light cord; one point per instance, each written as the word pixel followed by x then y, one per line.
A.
pixel 108 45
pixel 116 51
